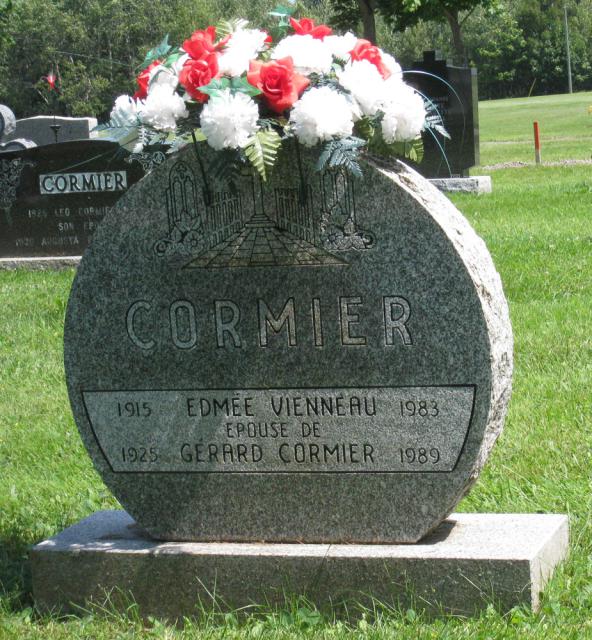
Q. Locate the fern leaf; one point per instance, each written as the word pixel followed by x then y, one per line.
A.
pixel 262 150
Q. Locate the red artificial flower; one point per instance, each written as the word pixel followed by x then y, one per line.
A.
pixel 280 85
pixel 199 73
pixel 51 80
pixel 365 50
pixel 203 43
pixel 306 27
pixel 143 80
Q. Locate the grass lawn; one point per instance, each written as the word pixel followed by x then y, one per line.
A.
pixel 538 226
pixel 506 131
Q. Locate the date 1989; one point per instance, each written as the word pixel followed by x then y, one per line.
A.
pixel 419 455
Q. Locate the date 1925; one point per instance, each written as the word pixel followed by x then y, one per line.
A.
pixel 139 454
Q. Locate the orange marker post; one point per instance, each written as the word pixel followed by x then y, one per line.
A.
pixel 537 143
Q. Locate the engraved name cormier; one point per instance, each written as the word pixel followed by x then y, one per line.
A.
pixel 187 322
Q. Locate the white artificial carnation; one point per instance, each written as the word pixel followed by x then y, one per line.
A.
pixel 162 108
pixel 178 64
pixel 162 76
pixel 404 115
pixel 341 46
pixel 229 120
pixel 124 112
pixel 363 80
pixel 321 114
pixel 244 45
pixel 310 55
pixel 392 66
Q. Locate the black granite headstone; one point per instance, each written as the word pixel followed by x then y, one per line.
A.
pixel 52 198
pixel 459 110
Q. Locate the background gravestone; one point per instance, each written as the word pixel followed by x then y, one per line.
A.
pixel 52 198
pixel 459 110
pixel 7 122
pixel 319 359
pixel 39 130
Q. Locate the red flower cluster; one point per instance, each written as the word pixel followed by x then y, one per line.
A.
pixel 280 84
pixel 202 66
pixel 306 27
pixel 143 79
pixel 365 50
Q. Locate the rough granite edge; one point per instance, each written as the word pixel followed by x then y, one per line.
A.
pixel 479 264
pixel 44 263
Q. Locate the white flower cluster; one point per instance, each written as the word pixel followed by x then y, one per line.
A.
pixel 322 114
pixel 364 82
pixel 162 107
pixel 244 45
pixel 309 54
pixel 228 120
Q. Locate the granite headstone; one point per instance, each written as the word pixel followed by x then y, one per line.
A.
pixel 316 359
pixel 52 198
pixel 44 130
pixel 453 91
pixel 7 122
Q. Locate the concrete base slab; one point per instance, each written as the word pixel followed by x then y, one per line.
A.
pixel 45 263
pixel 474 184
pixel 471 560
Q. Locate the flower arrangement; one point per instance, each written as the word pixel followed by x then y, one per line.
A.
pixel 244 90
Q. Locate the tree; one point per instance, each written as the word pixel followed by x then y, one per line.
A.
pixel 401 14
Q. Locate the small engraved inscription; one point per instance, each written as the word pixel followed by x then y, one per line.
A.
pixel 360 430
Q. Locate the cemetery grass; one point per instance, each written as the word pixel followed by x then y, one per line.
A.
pixel 538 227
pixel 506 128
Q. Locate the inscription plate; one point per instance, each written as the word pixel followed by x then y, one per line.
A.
pixel 315 359
pixel 396 430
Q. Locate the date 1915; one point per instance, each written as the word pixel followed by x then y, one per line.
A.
pixel 134 409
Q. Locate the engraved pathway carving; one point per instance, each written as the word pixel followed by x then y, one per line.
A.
pixel 261 243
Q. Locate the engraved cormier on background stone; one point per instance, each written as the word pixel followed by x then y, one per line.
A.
pixel 321 359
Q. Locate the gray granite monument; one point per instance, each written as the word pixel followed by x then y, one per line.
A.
pixel 44 130
pixel 318 360
pixel 318 341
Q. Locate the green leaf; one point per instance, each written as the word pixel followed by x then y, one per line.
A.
pixel 170 61
pixel 262 150
pixel 344 153
pixel 199 136
pixel 282 12
pixel 215 86
pixel 226 27
pixel 158 52
pixel 242 85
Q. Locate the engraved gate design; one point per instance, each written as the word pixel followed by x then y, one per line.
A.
pixel 307 226
pixel 196 222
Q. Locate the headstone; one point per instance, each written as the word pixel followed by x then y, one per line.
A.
pixel 52 198
pixel 19 144
pixel 44 130
pixel 453 90
pixel 7 122
pixel 316 359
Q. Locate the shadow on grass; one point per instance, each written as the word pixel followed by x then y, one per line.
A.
pixel 15 573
